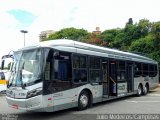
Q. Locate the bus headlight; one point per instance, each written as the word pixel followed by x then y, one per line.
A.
pixel 34 92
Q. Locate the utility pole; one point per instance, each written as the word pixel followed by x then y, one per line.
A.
pixel 24 32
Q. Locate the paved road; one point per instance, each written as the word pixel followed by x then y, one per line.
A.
pixel 129 105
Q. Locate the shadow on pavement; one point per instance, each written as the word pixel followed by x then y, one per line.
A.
pixel 69 114
pixel 45 115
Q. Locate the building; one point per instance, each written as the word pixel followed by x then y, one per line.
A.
pixel 97 31
pixel 45 34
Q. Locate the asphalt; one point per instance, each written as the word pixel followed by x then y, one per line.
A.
pixel 148 104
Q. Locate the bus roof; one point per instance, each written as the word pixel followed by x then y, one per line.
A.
pixel 112 53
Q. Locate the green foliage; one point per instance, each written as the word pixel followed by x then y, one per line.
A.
pixel 70 33
pixel 156 32
pixel 144 27
pixel 143 45
pixel 109 35
pixel 156 56
pixel 143 37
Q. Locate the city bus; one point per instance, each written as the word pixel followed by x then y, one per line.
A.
pixel 60 74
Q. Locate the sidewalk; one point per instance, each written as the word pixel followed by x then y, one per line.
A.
pixel 157 90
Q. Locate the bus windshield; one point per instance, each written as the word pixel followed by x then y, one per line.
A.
pixel 27 68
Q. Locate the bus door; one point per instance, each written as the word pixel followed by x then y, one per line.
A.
pixel 57 79
pixel 47 88
pixel 130 81
pixel 105 78
pixel 112 78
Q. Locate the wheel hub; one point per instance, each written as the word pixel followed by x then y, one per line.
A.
pixel 84 100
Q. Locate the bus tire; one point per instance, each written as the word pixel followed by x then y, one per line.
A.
pixel 83 100
pixel 145 90
pixel 140 90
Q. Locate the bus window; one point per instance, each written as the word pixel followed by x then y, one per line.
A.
pixel 145 70
pixel 79 69
pixel 155 71
pixel 121 71
pixel 58 66
pixel 80 76
pixel 152 70
pixel 61 66
pixel 76 62
pixel 94 69
pixel 138 70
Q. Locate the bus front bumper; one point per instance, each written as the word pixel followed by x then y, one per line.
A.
pixel 30 104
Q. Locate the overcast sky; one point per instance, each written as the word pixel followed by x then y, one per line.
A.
pixel 39 15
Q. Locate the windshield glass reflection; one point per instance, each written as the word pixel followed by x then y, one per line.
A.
pixel 27 67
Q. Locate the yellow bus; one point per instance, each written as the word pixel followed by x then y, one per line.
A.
pixel 5 71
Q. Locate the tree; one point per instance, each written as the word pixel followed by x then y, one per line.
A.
pixel 130 34
pixel 70 33
pixel 144 26
pixel 155 55
pixel 96 40
pixel 156 31
pixel 118 40
pixel 108 36
pixel 143 45
pixel 143 37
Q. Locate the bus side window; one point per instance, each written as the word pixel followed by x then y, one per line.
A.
pixel 155 70
pixel 152 70
pixel 138 69
pixel 61 66
pixel 94 69
pixel 79 69
pixel 62 70
pixel 145 70
pixel 121 71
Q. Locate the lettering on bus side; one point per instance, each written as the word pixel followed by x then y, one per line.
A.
pixel 57 94
pixel 122 87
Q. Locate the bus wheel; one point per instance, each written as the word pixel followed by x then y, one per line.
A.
pixel 83 100
pixel 145 90
pixel 140 90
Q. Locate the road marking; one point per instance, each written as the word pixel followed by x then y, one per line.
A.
pixel 153 95
pixel 133 101
pixel 156 97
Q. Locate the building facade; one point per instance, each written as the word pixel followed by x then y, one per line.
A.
pixel 45 34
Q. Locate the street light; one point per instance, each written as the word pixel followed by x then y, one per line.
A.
pixel 24 32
